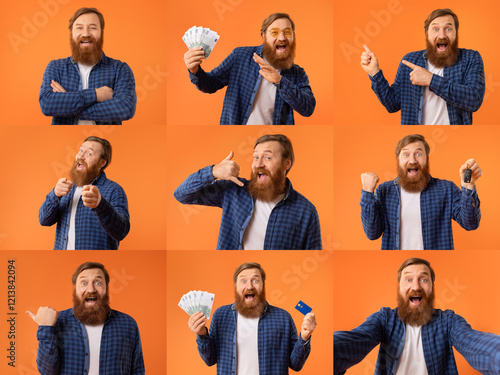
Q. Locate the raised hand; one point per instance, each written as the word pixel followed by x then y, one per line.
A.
pixel 369 181
pixel 308 326
pixel 266 70
pixel 369 62
pixel 91 196
pixel 193 58
pixel 419 76
pixel 62 187
pixel 477 172
pixel 227 169
pixel 197 323
pixel 46 316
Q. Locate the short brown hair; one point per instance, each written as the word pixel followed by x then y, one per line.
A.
pixel 410 139
pixel 88 266
pixel 247 266
pixel 106 149
pixel 81 11
pixel 412 261
pixel 273 17
pixel 439 13
pixel 286 146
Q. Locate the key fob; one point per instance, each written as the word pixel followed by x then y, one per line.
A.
pixel 467 175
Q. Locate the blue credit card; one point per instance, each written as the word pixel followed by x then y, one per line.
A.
pixel 303 308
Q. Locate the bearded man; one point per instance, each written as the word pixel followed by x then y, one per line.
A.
pixel 265 335
pixel 441 85
pixel 91 211
pixel 89 338
pixel 265 213
pixel 416 338
pixel 414 211
pixel 88 88
pixel 251 100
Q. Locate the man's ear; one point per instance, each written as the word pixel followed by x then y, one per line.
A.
pixel 103 163
pixel 288 164
pixel 263 35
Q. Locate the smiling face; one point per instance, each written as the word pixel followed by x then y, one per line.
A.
pixel 279 44
pixel 415 284
pixel 442 41
pixel 268 179
pixel 413 169
pixel 88 163
pixel 416 295
pixel 90 285
pixel 90 297
pixel 249 292
pixel 87 39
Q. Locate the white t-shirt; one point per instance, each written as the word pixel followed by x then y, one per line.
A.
pixel 410 230
pixel 247 345
pixel 263 105
pixel 434 110
pixel 255 233
pixel 94 334
pixel 84 75
pixel 412 359
pixel 71 232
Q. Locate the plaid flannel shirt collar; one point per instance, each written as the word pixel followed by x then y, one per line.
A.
pixel 105 60
pixel 264 313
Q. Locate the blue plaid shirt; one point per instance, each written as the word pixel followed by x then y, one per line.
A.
pixel 278 344
pixel 99 228
pixel 444 331
pixel 74 104
pixel 241 76
pixel 293 223
pixel 63 349
pixel 462 87
pixel 440 202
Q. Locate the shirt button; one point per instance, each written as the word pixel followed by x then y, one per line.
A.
pixel 86 354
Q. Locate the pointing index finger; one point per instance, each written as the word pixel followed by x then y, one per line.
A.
pixel 366 48
pixel 409 64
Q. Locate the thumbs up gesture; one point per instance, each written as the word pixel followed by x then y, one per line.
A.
pixel 46 316
pixel 91 196
pixel 227 169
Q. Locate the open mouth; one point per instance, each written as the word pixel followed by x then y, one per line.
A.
pixel 413 171
pixel 90 301
pixel 281 47
pixel 80 166
pixel 442 45
pixel 86 42
pixel 415 300
pixel 249 297
pixel 262 176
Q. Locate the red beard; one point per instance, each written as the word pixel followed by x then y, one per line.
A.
pixel 253 309
pixel 85 177
pixel 269 190
pixel 414 184
pixel 91 315
pixel 419 315
pixel 87 55
pixel 442 59
pixel 280 61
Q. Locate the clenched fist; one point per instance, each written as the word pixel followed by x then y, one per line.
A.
pixel 369 181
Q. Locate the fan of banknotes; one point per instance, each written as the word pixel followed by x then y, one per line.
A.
pixel 201 37
pixel 196 300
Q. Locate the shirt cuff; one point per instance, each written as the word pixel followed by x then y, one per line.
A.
pixel 468 192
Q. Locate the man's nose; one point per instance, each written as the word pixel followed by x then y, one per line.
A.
pixel 281 35
pixel 90 288
pixel 412 159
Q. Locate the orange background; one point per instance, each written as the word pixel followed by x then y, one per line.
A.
pixel 238 24
pixel 192 148
pixel 365 282
pixel 35 158
pixel 393 28
pixel 133 34
pixel 137 280
pixel 371 149
pixel 300 275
